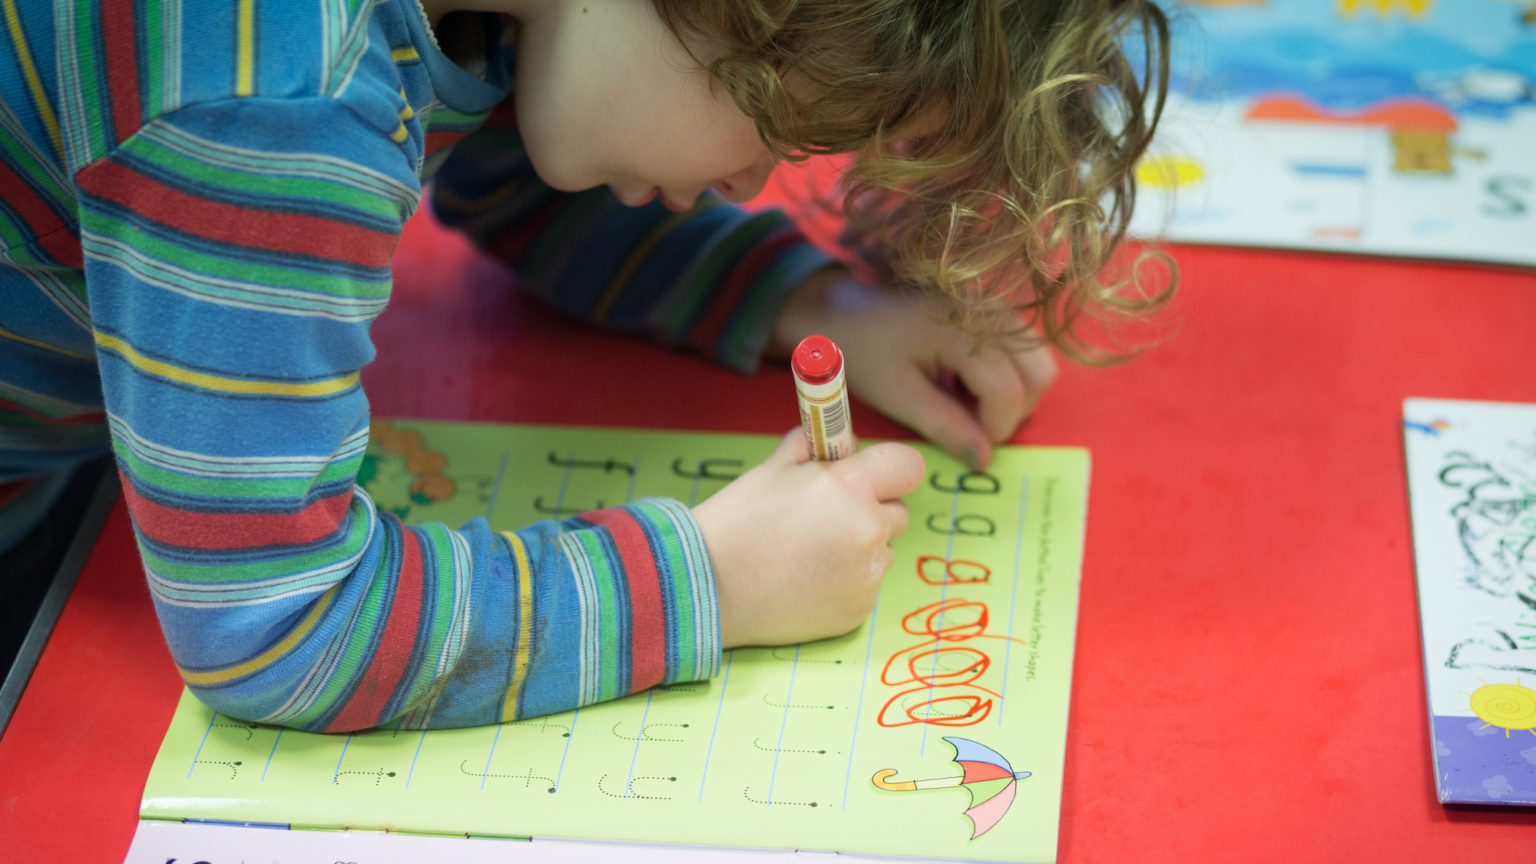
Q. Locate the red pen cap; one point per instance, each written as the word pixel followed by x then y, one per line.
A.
pixel 816 360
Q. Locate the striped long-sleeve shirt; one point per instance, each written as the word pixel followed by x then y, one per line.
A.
pixel 199 202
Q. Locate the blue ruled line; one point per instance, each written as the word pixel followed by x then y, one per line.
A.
pixel 487 770
pixel 414 756
pixel 1018 552
pixel 634 756
pixel 270 754
pixel 789 696
pixel 501 468
pixel 719 707
pixel 869 647
pixel 344 745
pixel 200 743
pixel 560 772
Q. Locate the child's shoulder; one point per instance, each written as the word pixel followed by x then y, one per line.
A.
pixel 276 49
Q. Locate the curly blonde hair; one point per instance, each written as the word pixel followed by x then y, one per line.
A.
pixel 1014 200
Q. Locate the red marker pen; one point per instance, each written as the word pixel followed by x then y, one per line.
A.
pixel 818 368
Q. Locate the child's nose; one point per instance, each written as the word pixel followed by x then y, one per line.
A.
pixel 744 185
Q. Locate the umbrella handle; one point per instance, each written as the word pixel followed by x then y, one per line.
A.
pixel 882 779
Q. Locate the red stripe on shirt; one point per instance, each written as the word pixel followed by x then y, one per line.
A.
pixel 86 419
pixel 64 247
pixel 120 34
pixel 41 220
pixel 196 530
pixel 741 277
pixel 241 226
pixel 514 242
pixel 436 141
pixel 392 658
pixel 648 623
pixel 503 115
pixel 10 491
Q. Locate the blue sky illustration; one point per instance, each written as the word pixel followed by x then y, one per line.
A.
pixel 1306 47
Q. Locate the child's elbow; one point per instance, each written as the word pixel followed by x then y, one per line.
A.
pixel 252 663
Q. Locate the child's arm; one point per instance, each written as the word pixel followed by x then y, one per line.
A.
pixel 713 279
pixel 236 253
pixel 736 286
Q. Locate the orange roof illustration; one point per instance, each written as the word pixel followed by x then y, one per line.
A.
pixel 1397 113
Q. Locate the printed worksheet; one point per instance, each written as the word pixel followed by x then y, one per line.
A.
pixel 1472 489
pixel 935 730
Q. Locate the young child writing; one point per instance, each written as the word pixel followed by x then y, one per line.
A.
pixel 201 201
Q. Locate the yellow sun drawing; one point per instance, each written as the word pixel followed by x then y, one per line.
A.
pixel 1168 172
pixel 1412 8
pixel 1507 706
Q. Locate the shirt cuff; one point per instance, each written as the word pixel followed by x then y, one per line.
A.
pixel 645 611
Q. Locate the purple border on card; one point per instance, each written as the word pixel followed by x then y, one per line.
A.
pixel 1477 764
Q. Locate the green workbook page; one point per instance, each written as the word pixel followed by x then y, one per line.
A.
pixel 937 729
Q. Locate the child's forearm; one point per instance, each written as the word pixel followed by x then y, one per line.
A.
pixel 712 279
pixel 230 332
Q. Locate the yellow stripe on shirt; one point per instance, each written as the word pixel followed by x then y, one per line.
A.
pixel 245 48
pixel 6 334
pixel 29 70
pixel 219 383
pixel 266 657
pixel 484 204
pixel 626 271
pixel 521 658
pixel 406 113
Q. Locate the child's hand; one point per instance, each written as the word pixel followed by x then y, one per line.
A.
pixel 799 547
pixel 896 355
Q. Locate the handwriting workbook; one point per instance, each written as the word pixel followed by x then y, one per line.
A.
pixel 937 729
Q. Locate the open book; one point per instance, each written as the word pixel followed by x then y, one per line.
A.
pixel 935 730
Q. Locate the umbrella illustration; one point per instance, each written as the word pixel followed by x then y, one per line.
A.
pixel 988 779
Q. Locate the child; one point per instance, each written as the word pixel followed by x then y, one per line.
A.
pixel 201 200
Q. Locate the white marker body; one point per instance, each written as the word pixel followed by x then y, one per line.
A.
pixel 824 417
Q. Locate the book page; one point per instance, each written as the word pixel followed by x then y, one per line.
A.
pixel 848 744
pixel 1391 127
pixel 1472 491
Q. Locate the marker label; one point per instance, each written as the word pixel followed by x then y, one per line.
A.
pixel 818 367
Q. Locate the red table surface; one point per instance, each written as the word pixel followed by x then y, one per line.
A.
pixel 1248 681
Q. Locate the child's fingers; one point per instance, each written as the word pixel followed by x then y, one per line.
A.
pixel 894 470
pixel 1007 384
pixel 938 416
pixel 1002 395
pixel 791 448
pixel 895 515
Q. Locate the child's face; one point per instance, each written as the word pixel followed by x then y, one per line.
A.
pixel 606 95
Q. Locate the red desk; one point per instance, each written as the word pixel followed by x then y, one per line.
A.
pixel 1248 683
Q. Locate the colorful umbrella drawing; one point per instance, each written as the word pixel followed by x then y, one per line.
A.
pixel 988 779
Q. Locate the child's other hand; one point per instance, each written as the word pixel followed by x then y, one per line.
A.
pixel 896 356
pixel 799 547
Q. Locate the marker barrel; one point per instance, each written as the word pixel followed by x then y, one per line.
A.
pixel 818 369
